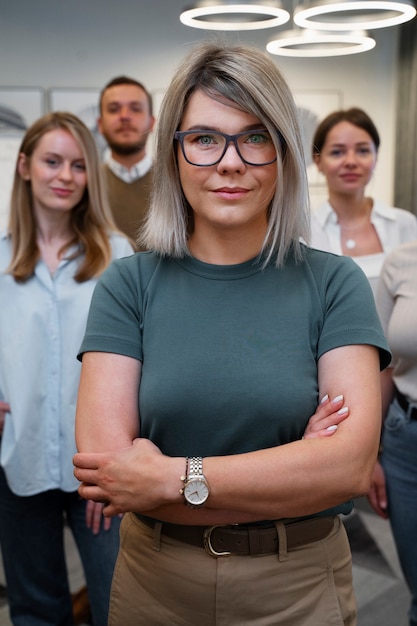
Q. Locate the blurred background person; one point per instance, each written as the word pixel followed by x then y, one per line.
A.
pixel 125 121
pixel 393 493
pixel 345 150
pixel 60 238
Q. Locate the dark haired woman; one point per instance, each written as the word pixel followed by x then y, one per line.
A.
pixel 345 150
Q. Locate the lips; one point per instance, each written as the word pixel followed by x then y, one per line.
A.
pixel 62 193
pixel 231 193
pixel 350 177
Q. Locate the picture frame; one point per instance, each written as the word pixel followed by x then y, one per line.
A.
pixel 313 106
pixel 19 108
pixel 82 102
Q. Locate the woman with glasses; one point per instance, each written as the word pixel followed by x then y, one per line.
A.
pixel 204 360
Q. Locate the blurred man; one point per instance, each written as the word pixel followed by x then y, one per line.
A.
pixel 125 121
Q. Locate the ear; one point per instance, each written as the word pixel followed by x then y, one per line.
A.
pixel 100 125
pixel 23 166
pixel 151 123
pixel 317 160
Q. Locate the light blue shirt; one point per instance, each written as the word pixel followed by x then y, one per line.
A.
pixel 42 323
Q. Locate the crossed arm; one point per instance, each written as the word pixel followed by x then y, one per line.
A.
pixel 323 469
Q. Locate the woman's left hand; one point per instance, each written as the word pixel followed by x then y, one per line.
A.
pixel 94 517
pixel 329 414
pixel 4 408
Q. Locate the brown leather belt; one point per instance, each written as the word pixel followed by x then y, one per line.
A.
pixel 240 540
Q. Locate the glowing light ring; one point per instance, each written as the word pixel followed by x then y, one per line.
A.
pixel 191 17
pixel 283 45
pixel 405 12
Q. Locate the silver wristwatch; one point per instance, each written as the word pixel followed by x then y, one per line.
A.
pixel 196 489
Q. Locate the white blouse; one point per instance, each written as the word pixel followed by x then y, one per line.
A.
pixel 393 226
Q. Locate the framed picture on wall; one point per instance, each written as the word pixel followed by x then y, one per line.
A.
pixel 81 102
pixel 19 108
pixel 313 106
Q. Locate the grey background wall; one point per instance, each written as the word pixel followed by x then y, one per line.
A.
pixel 53 44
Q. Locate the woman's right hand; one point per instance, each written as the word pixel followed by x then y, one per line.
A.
pixel 377 494
pixel 4 408
pixel 329 414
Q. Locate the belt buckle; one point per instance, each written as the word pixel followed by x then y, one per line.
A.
pixel 207 542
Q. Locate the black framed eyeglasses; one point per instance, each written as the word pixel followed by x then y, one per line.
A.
pixel 203 148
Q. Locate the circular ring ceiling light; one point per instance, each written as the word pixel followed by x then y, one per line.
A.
pixel 356 14
pixel 312 44
pixel 259 16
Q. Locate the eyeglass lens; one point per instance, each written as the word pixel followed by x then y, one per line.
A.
pixel 208 148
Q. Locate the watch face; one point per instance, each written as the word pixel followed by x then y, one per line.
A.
pixel 196 492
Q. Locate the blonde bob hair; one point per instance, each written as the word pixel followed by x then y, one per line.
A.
pixel 91 219
pixel 248 78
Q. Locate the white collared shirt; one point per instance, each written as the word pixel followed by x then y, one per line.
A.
pixel 128 175
pixel 393 226
pixel 42 323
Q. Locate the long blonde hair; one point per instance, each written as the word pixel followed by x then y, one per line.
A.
pixel 250 79
pixel 91 219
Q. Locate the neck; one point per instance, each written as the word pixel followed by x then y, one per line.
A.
pixel 349 209
pixel 128 160
pixel 225 248
pixel 53 227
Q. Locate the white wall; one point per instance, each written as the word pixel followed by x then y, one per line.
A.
pixel 84 43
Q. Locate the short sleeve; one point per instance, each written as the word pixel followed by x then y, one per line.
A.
pixel 349 312
pixel 115 317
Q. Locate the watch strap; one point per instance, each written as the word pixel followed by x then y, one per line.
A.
pixel 194 467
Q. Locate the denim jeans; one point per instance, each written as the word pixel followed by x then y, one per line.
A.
pixel 399 460
pixel 32 544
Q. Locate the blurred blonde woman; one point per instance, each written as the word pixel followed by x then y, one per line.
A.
pixel 60 239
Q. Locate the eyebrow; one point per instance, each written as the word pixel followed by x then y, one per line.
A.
pixel 118 102
pixel 216 129
pixel 358 143
pixel 60 156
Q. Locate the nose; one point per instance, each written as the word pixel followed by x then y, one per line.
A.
pixel 231 160
pixel 350 158
pixel 65 173
pixel 125 112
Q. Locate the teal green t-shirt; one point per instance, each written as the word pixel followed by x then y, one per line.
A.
pixel 230 352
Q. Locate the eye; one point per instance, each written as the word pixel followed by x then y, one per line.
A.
pixel 205 140
pixel 79 166
pixel 258 138
pixel 51 161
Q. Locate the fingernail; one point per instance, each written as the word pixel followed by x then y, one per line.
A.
pixel 337 399
pixel 342 411
pixel 334 427
pixel 324 398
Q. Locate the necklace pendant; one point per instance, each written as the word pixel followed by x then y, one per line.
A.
pixel 350 244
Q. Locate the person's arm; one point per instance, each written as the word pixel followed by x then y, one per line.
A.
pixel 93 431
pixel 107 415
pixel 377 494
pixel 300 478
pixel 385 301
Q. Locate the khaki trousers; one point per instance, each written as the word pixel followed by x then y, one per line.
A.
pixel 159 581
